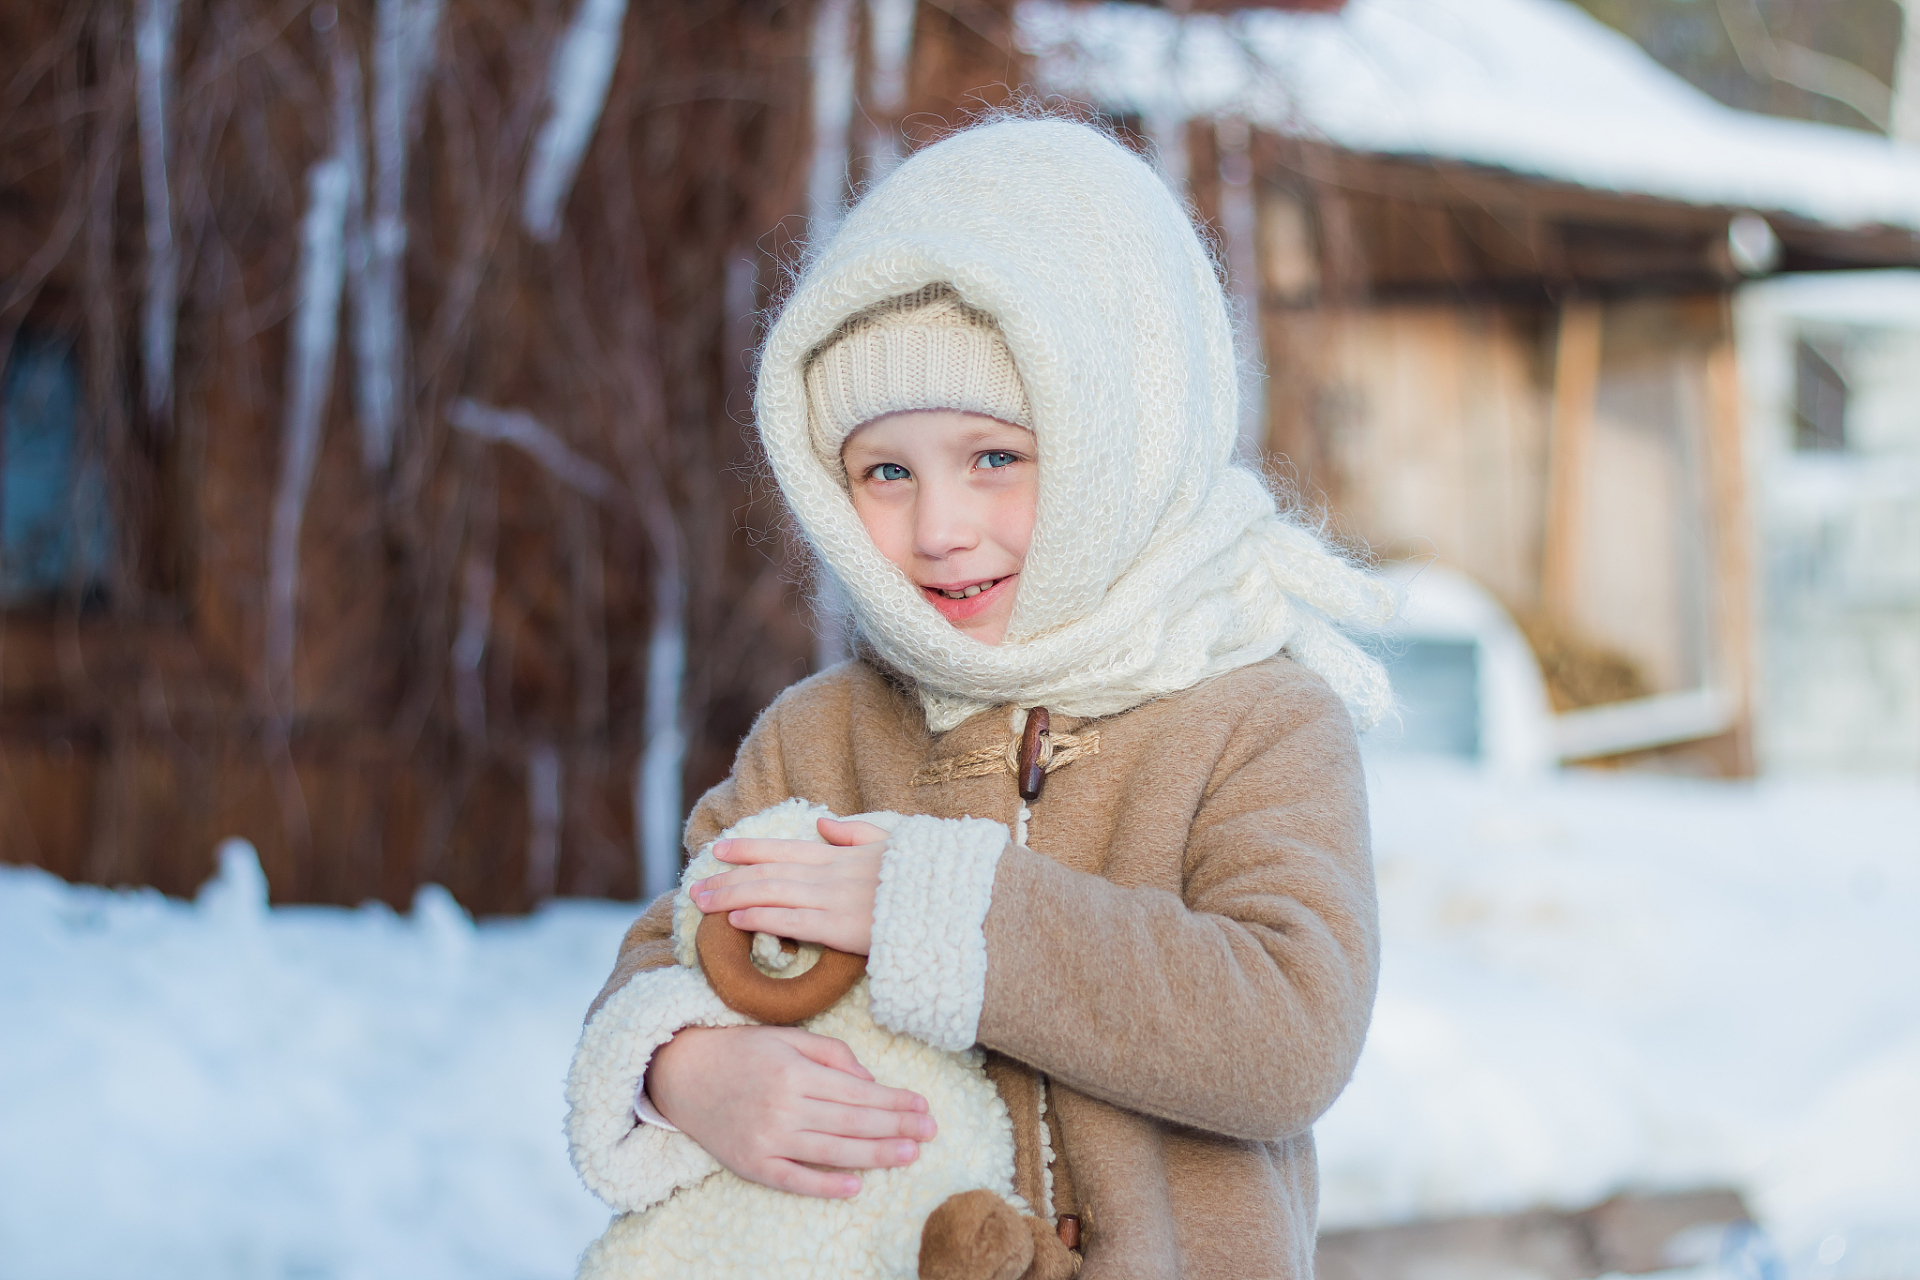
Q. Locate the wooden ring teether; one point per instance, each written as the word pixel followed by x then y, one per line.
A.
pixel 726 956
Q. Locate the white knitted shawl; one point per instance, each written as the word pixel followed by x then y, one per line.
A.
pixel 1157 560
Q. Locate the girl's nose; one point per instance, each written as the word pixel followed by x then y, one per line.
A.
pixel 943 523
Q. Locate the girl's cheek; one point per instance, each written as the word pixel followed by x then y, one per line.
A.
pixel 888 522
pixel 1014 516
pixel 894 537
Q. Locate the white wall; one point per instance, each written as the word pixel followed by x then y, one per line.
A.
pixel 1838 532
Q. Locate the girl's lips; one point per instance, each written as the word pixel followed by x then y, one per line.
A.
pixel 960 610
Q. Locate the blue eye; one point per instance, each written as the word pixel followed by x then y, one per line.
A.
pixel 998 458
pixel 891 471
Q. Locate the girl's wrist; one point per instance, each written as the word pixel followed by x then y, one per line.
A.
pixel 664 1061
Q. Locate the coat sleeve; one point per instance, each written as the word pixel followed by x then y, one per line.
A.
pixel 647 1000
pixel 1237 1006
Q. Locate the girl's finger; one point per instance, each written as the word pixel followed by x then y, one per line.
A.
pixel 783 922
pixel 822 1184
pixel 745 852
pixel 841 1121
pixel 838 831
pixel 761 871
pixel 850 1091
pixel 828 1052
pixel 850 1153
pixel 761 893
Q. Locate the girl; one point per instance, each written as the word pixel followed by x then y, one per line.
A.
pixel 1002 405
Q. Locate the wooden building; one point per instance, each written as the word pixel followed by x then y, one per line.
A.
pixel 375 480
pixel 375 465
pixel 1490 251
pixel 1832 369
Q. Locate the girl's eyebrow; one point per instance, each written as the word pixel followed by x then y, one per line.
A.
pixel 1000 436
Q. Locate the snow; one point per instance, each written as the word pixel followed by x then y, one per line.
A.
pixel 1888 299
pixel 405 33
pixel 658 778
pixel 577 83
pixel 211 1090
pixel 1533 86
pixel 1604 981
pixel 891 39
pixel 1589 982
pixel 832 59
pixel 153 59
pixel 310 351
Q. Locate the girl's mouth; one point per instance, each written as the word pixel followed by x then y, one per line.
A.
pixel 958 603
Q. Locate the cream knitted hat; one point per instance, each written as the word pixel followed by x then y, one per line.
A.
pixel 922 350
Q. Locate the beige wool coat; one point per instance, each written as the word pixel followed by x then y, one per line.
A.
pixel 1183 954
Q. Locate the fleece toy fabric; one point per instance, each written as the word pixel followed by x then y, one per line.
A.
pixel 724 1226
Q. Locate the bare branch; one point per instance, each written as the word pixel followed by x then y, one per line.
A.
pixel 528 434
pixel 1765 58
pixel 1834 78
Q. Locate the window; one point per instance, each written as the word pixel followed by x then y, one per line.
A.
pixel 55 532
pixel 1438 685
pixel 1819 395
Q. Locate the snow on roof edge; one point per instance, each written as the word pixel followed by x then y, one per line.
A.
pixel 1532 87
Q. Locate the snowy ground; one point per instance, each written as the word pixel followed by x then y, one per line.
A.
pixel 1601 982
pixel 212 1091
pixel 1589 984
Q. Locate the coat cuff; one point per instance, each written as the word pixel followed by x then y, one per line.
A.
pixel 927 963
pixel 646 1112
pixel 627 1164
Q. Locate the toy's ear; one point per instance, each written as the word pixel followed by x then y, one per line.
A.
pixel 686 916
pixel 726 957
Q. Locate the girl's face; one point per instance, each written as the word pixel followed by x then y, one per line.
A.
pixel 949 497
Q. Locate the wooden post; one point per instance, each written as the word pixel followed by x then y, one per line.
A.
pixel 1731 537
pixel 1576 380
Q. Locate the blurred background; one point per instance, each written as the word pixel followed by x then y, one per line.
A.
pixel 382 549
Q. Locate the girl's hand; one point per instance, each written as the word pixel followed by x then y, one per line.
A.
pixel 798 889
pixel 768 1102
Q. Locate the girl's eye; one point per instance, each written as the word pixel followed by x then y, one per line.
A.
pixel 998 458
pixel 890 471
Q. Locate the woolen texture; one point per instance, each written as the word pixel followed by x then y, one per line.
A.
pixel 1157 560
pixel 927 350
pixel 1187 951
pixel 626 1164
pixel 928 961
pixel 715 1225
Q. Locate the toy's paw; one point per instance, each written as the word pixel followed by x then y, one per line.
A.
pixel 975 1235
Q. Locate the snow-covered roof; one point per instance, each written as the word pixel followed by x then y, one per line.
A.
pixel 1533 86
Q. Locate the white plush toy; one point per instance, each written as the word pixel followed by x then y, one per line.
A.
pixel 724 1226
